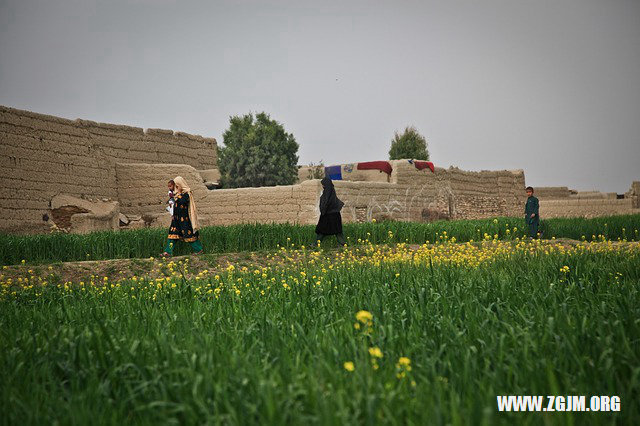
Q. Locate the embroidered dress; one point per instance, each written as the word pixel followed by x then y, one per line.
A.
pixel 181 228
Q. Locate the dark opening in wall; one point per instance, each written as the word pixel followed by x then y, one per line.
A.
pixel 62 215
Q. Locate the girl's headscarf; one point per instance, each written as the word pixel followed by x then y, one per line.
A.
pixel 193 212
pixel 329 200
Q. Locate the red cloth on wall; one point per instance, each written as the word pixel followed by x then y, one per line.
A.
pixel 421 165
pixel 376 165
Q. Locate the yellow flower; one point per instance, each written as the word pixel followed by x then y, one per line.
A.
pixel 364 316
pixel 404 361
pixel 375 352
pixel 349 366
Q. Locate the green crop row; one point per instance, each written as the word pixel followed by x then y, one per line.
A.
pixel 288 345
pixel 142 243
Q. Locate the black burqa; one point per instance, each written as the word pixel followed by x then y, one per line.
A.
pixel 330 222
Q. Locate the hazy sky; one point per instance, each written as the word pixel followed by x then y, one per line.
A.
pixel 551 87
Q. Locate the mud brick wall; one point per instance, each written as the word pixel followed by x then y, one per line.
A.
pixel 459 194
pixel 350 172
pixel 278 204
pixel 364 201
pixel 551 192
pixel 415 195
pixel 142 188
pixel 586 207
pixel 572 203
pixel 409 194
pixel 634 194
pixel 594 195
pixel 43 156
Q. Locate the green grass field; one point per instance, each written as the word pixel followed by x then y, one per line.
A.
pixel 222 239
pixel 452 326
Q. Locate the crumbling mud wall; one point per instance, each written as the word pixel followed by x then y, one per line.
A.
pixel 634 194
pixel 277 204
pixel 409 194
pixel 565 202
pixel 125 170
pixel 43 156
pixel 81 216
pixel 552 192
pixel 586 207
pixel 349 172
pixel 458 194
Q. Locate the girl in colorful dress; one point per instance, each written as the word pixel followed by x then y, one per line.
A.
pixel 184 222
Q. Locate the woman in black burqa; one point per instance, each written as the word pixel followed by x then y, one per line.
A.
pixel 330 222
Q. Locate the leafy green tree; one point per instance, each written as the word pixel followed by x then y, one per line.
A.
pixel 410 144
pixel 257 152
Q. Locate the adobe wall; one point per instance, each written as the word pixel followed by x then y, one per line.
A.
pixel 459 194
pixel 448 193
pixel 43 156
pixel 586 207
pixel 278 204
pixel 552 192
pixel 349 172
pixel 564 202
pixel 634 194
pixel 413 195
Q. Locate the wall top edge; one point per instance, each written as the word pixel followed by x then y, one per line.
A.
pixel 83 123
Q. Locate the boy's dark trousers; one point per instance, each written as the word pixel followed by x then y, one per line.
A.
pixel 533 227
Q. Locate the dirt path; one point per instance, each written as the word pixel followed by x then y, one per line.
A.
pixel 154 268
pixel 127 268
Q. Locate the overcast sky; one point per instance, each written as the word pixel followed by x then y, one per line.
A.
pixel 551 87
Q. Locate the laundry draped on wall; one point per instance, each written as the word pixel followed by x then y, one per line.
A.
pixel 421 165
pixel 376 165
pixel 333 172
